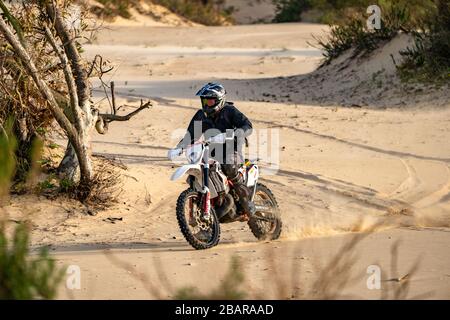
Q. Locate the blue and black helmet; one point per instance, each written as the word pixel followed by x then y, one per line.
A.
pixel 212 96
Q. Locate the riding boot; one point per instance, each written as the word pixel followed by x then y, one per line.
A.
pixel 244 194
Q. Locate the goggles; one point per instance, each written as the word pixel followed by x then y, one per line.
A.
pixel 209 102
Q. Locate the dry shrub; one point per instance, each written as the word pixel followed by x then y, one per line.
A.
pixel 106 185
pixel 102 193
pixel 20 99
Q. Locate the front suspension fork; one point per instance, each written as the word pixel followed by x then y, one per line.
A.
pixel 206 193
pixel 254 191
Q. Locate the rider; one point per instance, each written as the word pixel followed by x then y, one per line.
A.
pixel 222 115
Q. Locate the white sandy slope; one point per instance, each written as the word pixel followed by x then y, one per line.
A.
pixel 368 80
pixel 341 169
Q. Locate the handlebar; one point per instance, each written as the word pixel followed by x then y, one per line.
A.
pixel 221 138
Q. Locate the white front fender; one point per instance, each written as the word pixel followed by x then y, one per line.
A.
pixel 182 170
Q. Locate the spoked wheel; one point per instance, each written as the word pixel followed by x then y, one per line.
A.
pixel 266 224
pixel 199 233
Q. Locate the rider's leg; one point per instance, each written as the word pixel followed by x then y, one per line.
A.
pixel 244 194
pixel 231 170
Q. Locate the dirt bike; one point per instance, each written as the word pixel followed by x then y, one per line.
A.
pixel 211 200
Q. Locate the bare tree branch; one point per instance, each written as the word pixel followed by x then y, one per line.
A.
pixel 43 78
pixel 63 121
pixel 72 53
pixel 93 63
pixel 98 60
pixel 113 98
pixel 69 78
pixel 33 72
pixel 104 86
pixel 113 117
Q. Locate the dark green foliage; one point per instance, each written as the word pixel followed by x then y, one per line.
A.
pixel 66 185
pixel 290 10
pixel 429 59
pixel 357 36
pixel 113 8
pixel 429 23
pixel 340 11
pixel 22 276
pixel 7 164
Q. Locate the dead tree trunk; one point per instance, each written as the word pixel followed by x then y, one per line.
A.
pixel 76 78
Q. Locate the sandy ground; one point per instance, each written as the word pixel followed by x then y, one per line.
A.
pixel 340 170
pixel 277 270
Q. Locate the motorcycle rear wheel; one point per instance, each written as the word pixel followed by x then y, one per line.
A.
pixel 189 217
pixel 266 230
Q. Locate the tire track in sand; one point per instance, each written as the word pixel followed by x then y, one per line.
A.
pixel 412 192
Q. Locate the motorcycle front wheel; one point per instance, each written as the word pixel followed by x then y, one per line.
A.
pixel 198 233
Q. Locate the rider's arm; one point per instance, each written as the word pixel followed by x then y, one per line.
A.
pixel 240 121
pixel 190 137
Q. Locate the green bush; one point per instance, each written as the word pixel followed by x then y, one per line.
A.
pixel 428 22
pixel 113 8
pixel 290 10
pixel 340 11
pixel 356 35
pixel 7 157
pixel 429 59
pixel 22 276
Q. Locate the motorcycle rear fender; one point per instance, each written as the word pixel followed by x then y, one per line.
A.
pixel 194 169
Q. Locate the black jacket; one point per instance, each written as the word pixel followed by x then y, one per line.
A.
pixel 227 118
